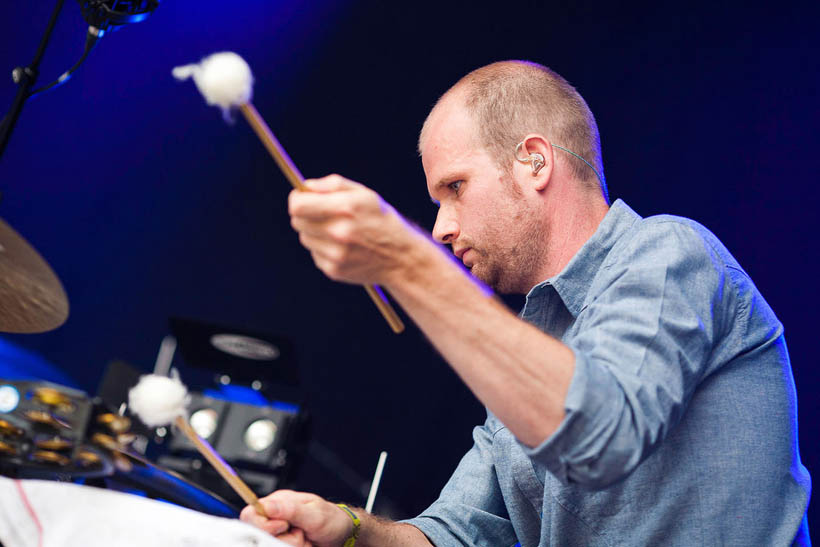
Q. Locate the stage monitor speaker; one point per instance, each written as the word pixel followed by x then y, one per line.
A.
pixel 207 417
pixel 255 435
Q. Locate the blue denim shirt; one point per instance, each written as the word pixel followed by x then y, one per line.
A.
pixel 681 422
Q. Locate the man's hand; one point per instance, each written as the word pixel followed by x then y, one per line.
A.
pixel 352 234
pixel 301 519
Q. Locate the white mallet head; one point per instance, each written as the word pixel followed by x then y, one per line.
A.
pixel 224 79
pixel 158 400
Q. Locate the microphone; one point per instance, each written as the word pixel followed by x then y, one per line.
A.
pixel 105 15
pixel 102 16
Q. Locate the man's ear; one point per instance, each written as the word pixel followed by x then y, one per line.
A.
pixel 535 154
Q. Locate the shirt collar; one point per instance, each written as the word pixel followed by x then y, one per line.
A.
pixel 573 282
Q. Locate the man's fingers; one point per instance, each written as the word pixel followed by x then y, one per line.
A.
pixel 322 247
pixel 318 207
pixel 300 514
pixel 330 183
pixel 271 526
pixel 301 510
pixel 332 199
pixel 295 537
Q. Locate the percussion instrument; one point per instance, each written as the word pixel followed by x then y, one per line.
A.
pixel 46 427
pixel 50 431
pixel 32 298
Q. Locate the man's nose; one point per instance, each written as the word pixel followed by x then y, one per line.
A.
pixel 446 228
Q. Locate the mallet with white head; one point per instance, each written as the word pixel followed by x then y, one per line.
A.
pixel 225 80
pixel 160 401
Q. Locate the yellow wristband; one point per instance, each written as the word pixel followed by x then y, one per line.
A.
pixel 354 534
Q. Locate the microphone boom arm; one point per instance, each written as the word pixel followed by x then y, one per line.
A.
pixel 25 78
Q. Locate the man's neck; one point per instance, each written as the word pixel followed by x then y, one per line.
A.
pixel 573 217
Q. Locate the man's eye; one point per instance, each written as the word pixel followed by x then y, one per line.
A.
pixel 454 186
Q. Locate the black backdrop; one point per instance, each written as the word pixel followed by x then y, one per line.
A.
pixel 148 205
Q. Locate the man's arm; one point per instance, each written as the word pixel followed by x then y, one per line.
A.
pixel 299 519
pixel 520 373
pixel 471 503
pixel 517 371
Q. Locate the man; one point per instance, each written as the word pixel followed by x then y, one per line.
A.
pixel 645 398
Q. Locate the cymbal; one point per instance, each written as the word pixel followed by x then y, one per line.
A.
pixel 32 298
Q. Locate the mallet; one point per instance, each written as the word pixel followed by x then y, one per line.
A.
pixel 159 401
pixel 225 80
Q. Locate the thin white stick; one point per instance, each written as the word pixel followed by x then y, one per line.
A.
pixel 374 486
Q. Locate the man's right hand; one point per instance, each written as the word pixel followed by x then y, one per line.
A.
pixel 301 519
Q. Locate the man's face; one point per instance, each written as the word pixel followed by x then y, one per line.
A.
pixel 483 215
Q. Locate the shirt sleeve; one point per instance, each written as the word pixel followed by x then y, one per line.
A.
pixel 470 509
pixel 641 347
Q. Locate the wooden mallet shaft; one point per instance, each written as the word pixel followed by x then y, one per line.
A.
pixel 297 180
pixel 225 470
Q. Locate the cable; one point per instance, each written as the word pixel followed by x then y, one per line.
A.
pixel 568 151
pixel 92 37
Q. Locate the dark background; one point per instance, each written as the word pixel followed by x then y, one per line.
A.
pixel 147 205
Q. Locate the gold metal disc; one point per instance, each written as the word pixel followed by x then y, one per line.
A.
pixel 10 430
pixel 55 443
pixel 7 449
pixel 105 441
pixel 47 418
pixel 31 296
pixel 88 458
pixel 47 456
pixel 122 463
pixel 115 423
pixel 53 397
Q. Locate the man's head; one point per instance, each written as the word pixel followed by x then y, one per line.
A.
pixel 491 207
pixel 510 99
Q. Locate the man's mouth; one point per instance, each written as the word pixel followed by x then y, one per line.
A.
pixel 467 257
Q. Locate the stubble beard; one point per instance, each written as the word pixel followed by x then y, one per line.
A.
pixel 509 252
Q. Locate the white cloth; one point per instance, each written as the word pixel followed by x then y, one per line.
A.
pixel 72 515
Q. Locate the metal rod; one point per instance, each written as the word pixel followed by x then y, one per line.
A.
pixel 25 79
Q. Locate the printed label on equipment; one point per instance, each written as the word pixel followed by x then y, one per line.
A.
pixel 245 346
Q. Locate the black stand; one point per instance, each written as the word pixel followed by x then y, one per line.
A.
pixel 25 79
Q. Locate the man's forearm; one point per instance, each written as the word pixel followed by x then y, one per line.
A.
pixel 520 373
pixel 378 532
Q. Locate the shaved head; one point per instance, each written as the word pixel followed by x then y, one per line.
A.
pixel 511 99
